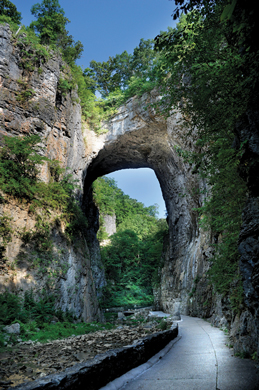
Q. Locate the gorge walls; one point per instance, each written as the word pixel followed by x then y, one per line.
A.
pixel 135 137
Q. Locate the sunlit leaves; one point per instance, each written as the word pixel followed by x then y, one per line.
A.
pixel 8 9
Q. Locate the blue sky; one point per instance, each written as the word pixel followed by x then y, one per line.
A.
pixel 107 28
pixel 141 184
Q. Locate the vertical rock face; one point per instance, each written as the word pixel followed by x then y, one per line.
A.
pixel 72 271
pixel 57 119
pixel 247 132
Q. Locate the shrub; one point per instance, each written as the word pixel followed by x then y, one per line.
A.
pixel 20 160
pixel 10 308
pixel 5 232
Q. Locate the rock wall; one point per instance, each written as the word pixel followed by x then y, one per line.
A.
pixel 76 272
pixel 247 326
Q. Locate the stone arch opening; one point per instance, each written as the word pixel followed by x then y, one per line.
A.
pixel 137 138
pixel 141 184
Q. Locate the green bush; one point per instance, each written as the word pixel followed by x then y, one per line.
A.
pixel 19 162
pixel 10 308
pixel 6 19
pixel 28 310
pixel 5 232
pixel 64 86
pixel 163 325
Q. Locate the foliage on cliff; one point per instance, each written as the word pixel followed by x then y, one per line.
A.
pixel 133 256
pixel 20 163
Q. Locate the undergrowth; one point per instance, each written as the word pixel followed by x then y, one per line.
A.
pixel 39 319
pixel 5 233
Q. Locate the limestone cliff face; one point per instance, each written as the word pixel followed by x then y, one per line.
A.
pixel 109 224
pixel 247 130
pixel 75 275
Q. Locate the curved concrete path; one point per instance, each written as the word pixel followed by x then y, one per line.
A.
pixel 199 360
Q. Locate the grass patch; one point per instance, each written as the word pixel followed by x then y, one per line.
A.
pixel 60 330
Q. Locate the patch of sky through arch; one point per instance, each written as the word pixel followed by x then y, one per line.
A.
pixel 141 184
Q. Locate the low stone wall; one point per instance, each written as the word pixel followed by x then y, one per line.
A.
pixel 104 368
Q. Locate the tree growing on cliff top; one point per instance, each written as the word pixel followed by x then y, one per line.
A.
pixel 118 72
pixel 9 9
pixel 51 28
pixel 51 21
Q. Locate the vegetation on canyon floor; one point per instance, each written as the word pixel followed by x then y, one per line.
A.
pixel 40 322
pixel 38 319
pixel 132 258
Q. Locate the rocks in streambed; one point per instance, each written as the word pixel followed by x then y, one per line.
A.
pixel 29 360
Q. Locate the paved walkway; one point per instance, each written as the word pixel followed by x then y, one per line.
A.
pixel 199 360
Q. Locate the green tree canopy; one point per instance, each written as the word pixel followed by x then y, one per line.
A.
pixel 116 73
pixel 7 8
pixel 51 21
pixel 111 200
pixel 51 28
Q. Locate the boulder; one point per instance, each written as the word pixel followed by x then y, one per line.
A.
pixel 14 328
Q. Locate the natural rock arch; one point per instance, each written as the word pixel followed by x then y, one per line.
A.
pixel 138 138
